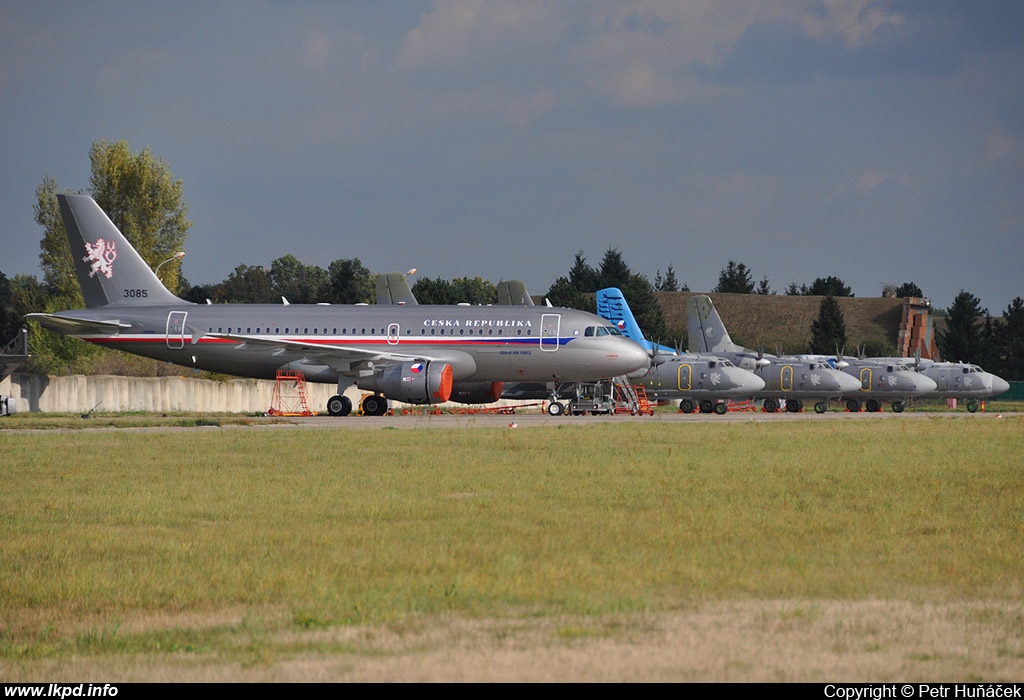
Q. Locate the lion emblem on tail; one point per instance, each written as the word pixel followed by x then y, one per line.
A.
pixel 102 255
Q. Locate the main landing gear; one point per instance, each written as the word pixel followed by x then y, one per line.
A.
pixel 339 405
pixel 373 405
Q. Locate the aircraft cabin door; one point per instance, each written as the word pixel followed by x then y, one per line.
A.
pixel 393 334
pixel 685 377
pixel 865 379
pixel 176 329
pixel 549 331
pixel 786 378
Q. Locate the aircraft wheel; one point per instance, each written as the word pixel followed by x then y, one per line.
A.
pixel 555 409
pixel 339 405
pixel 972 406
pixel 707 406
pixel 374 405
pixel 898 406
pixel 721 408
pixel 852 405
pixel 873 406
pixel 794 405
pixel 686 406
pixel 771 405
pixel 820 407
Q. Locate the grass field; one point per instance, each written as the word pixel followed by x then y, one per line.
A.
pixel 742 551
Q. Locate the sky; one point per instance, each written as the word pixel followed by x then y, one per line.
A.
pixel 878 142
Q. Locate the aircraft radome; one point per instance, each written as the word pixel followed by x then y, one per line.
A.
pixel 414 354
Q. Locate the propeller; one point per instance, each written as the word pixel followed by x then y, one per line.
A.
pixel 656 357
pixel 840 362
pixel 761 360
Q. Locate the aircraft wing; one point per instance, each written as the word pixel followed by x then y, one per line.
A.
pixel 77 326
pixel 340 357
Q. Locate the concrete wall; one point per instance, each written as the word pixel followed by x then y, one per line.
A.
pixel 79 394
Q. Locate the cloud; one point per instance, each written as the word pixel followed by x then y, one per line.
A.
pixel 317 51
pixel 857 21
pixel 871 180
pixel 640 85
pixel 455 30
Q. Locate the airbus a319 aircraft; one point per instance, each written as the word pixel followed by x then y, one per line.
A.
pixel 414 354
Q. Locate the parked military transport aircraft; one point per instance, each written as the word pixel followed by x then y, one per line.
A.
pixel 792 378
pixel 955 380
pixel 413 354
pixel 696 379
pixel 882 380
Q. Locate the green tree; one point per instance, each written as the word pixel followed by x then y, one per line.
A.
pixel 583 276
pixel 668 283
pixel 141 196
pixel 829 286
pixel 639 294
pixel 566 294
pixel 297 282
pixel 9 321
pixel 763 287
pixel 55 253
pixel 475 290
pixel 1008 355
pixel 908 289
pixel 828 331
pixel 433 291
pixel 246 285
pixel 735 278
pixel 350 283
pixel 614 271
pixel 963 340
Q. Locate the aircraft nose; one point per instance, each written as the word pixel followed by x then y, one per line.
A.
pixel 749 382
pixel 999 385
pixel 847 384
pixel 923 384
pixel 631 357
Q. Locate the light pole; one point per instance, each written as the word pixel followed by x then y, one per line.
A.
pixel 180 254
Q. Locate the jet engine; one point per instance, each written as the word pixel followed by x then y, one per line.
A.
pixel 411 382
pixel 477 392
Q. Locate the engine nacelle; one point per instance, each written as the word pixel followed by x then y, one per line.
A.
pixel 411 382
pixel 477 392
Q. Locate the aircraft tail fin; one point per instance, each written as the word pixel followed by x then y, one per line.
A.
pixel 393 288
pixel 109 269
pixel 706 330
pixel 612 306
pixel 513 293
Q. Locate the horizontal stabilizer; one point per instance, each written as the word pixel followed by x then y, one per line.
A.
pixel 77 326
